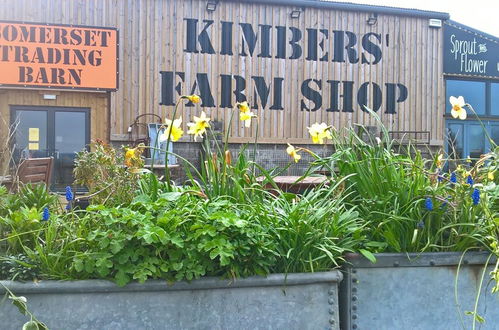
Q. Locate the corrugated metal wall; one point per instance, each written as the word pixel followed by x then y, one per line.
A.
pixel 153 38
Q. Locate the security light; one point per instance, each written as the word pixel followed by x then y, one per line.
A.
pixel 295 13
pixel 435 23
pixel 211 5
pixel 373 19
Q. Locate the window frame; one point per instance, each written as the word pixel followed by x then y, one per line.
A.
pixel 488 98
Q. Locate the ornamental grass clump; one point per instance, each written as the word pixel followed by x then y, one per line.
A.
pixel 407 203
pixel 312 232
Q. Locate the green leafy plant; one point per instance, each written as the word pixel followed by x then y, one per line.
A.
pixel 179 236
pixel 313 232
pixel 103 172
pixel 22 305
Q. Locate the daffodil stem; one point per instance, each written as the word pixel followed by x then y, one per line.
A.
pixel 255 146
pixel 492 143
pixel 167 171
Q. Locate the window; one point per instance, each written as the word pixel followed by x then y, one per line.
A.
pixel 494 99
pixel 467 137
pixel 472 91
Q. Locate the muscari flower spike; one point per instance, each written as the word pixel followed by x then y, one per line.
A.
pixel 440 177
pixel 475 196
pixel 453 177
pixel 428 204
pixel 45 214
pixel 469 180
pixel 69 194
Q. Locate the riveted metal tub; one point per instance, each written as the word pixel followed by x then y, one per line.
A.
pixel 295 301
pixel 417 291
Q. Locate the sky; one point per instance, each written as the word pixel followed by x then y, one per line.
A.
pixel 482 15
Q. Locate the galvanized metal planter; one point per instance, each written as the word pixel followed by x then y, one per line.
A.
pixel 416 291
pixel 295 301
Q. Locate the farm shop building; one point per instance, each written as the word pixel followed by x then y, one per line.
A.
pixel 75 71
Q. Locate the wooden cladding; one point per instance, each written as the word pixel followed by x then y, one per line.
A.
pixel 320 67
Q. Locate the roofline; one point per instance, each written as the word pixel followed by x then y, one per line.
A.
pixel 472 30
pixel 355 7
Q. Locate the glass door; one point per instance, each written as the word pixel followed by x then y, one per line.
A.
pixel 468 138
pixel 51 131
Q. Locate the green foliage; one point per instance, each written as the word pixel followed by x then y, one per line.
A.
pixel 313 232
pixel 103 173
pixel 19 268
pixel 22 305
pixel 223 222
pixel 29 196
pixel 389 191
pixel 179 236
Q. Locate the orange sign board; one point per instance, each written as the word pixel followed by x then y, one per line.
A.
pixel 58 56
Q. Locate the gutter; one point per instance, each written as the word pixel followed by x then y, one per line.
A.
pixel 353 7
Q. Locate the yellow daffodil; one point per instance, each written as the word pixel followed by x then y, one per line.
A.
pixel 319 132
pixel 193 98
pixel 243 106
pixel 440 161
pixel 129 156
pixel 490 175
pixel 246 117
pixel 132 156
pixel 457 107
pixel 176 131
pixel 293 153
pixel 199 126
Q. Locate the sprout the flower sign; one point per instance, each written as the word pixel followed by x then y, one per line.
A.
pixel 469 53
pixel 271 58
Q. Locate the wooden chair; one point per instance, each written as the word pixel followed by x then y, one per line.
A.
pixel 35 170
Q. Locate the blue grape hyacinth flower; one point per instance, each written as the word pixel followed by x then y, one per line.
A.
pixel 69 194
pixel 475 196
pixel 45 214
pixel 469 180
pixel 428 204
pixel 440 177
pixel 453 177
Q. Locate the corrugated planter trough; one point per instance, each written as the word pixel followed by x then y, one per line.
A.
pixel 417 291
pixel 278 301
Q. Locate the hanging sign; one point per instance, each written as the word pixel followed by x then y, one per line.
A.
pixel 58 56
pixel 469 53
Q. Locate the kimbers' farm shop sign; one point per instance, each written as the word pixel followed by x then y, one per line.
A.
pixel 264 42
pixel 58 56
pixel 469 53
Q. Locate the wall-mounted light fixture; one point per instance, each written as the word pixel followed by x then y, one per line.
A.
pixel 435 23
pixel 373 19
pixel 49 96
pixel 211 5
pixel 295 13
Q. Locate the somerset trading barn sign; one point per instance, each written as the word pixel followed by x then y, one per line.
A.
pixel 264 43
pixel 58 56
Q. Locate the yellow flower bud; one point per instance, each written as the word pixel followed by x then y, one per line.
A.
pixel 194 98
pixel 228 157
